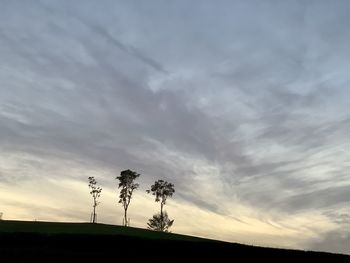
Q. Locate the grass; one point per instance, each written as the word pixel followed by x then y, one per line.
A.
pixel 24 240
pixel 56 228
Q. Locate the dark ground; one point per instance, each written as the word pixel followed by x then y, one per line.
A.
pixel 23 241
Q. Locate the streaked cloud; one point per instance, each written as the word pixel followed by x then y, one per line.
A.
pixel 243 105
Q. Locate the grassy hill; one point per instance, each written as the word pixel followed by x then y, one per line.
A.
pixel 54 228
pixel 50 241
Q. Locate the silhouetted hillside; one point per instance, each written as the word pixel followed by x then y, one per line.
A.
pixel 81 241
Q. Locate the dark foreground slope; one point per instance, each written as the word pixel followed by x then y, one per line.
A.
pixel 81 241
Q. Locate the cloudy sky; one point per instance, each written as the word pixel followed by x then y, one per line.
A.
pixel 243 105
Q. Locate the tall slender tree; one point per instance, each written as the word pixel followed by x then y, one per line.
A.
pixel 127 185
pixel 95 193
pixel 161 190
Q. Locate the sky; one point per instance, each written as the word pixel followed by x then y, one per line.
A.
pixel 243 105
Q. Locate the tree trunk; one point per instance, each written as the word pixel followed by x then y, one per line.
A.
pixel 94 215
pixel 125 217
pixel 161 217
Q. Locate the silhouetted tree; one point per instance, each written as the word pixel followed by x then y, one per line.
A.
pixel 127 185
pixel 96 193
pixel 160 223
pixel 162 190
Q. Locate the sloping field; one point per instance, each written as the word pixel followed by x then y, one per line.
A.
pixel 83 241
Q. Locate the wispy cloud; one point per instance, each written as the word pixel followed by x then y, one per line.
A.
pixel 243 105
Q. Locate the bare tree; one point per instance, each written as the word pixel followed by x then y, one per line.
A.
pixel 161 190
pixel 95 193
pixel 127 185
